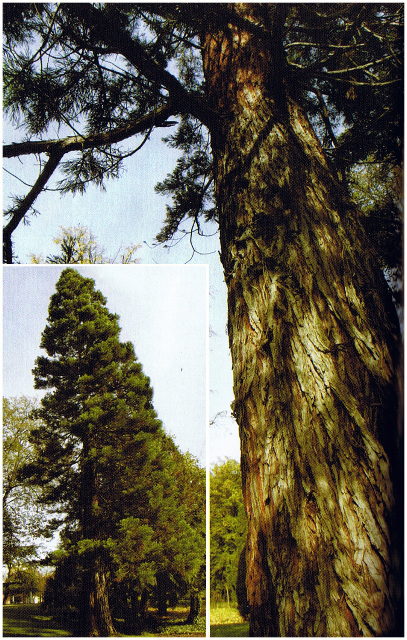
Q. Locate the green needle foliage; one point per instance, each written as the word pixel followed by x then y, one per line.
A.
pixel 100 407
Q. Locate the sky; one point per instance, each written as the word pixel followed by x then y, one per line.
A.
pixel 127 212
pixel 163 312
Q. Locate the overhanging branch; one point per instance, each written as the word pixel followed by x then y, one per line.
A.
pixel 56 149
pixel 79 143
pixel 119 41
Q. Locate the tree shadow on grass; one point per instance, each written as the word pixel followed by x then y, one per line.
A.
pixel 28 620
pixel 174 624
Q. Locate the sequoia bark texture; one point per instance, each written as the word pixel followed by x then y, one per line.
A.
pixel 313 352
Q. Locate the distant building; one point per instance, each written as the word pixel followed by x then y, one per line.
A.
pixel 22 598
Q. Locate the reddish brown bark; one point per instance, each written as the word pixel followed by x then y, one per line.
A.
pixel 313 352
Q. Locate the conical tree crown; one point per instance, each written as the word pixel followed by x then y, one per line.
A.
pixel 99 411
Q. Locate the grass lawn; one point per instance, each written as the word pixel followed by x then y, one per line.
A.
pixel 173 625
pixel 22 620
pixel 226 622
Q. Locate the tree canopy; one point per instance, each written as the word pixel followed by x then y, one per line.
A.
pixel 78 245
pixel 228 529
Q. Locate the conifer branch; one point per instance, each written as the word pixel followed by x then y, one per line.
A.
pixel 119 41
pixel 78 143
pixel 24 205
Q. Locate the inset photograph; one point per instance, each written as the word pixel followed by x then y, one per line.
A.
pixel 104 450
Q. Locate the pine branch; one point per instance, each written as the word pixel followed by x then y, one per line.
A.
pixel 120 42
pixel 56 149
pixel 360 67
pixel 78 143
pixel 20 211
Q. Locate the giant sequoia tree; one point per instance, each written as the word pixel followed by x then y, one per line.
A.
pixel 312 331
pixel 102 457
pixel 99 408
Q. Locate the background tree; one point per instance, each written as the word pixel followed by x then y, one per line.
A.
pixel 24 520
pixel 313 336
pixel 78 245
pixel 191 484
pixel 228 529
pixel 160 547
pixel 101 453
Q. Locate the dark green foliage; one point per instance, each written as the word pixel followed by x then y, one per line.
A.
pixel 191 182
pixel 63 589
pixel 101 399
pixel 19 19
pixel 228 529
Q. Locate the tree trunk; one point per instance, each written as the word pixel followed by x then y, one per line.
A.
pixel 143 604
pixel 194 605
pixel 101 623
pixel 6 592
pixel 313 352
pixel 138 612
pixel 95 616
pixel 162 582
pixel 95 619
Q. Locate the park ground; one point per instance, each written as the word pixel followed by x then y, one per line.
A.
pixel 226 622
pixel 28 620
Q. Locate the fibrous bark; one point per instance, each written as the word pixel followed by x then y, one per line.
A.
pixel 313 353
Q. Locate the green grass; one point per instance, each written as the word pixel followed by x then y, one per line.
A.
pixel 237 630
pixel 173 625
pixel 25 620
pixel 177 630
pixel 226 622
